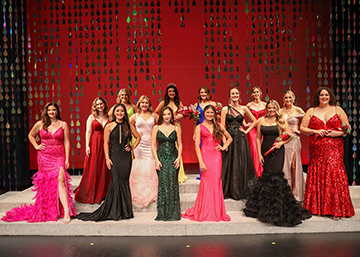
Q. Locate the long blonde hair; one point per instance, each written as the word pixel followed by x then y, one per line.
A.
pixel 280 121
pixel 118 100
pixel 150 109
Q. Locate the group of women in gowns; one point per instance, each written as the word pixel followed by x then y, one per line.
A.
pixel 274 184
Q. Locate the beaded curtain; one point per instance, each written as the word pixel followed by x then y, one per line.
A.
pixel 81 49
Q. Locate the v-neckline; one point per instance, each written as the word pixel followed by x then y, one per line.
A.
pixel 164 133
pixel 52 134
pixel 324 122
pixel 102 125
pixel 208 129
pixel 144 119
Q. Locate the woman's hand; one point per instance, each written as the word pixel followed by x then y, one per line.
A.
pixel 277 145
pixel 87 151
pixel 220 148
pixel 109 163
pixel 321 132
pixel 40 147
pixel 202 167
pixel 331 133
pixel 128 148
pixel 177 163
pixel 158 165
pixel 67 164
pixel 261 159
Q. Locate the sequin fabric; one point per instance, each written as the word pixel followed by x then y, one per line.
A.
pixel 168 202
pixel 327 189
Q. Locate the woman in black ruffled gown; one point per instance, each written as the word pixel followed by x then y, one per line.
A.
pixel 117 204
pixel 271 199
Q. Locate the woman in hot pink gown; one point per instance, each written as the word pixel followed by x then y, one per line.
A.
pixel 51 182
pixel 257 108
pixel 209 204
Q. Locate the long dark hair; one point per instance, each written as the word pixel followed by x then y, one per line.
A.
pixel 45 117
pixel 217 133
pixel 125 123
pixel 160 121
pixel 207 90
pixel 316 101
pixel 176 98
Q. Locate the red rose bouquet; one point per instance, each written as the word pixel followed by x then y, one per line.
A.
pixel 184 111
pixel 285 136
pixel 346 128
pixel 218 108
pixel 189 112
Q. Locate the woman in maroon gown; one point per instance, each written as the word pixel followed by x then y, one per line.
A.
pixel 327 189
pixel 96 176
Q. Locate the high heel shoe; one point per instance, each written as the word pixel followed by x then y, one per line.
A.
pixel 66 221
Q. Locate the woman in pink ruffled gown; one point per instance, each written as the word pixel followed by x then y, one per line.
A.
pixel 209 204
pixel 51 182
pixel 257 108
pixel 143 177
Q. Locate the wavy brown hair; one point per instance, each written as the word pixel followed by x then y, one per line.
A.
pixel 316 101
pixel 176 98
pixel 217 133
pixel 208 97
pixel 94 111
pixel 126 123
pixel 150 109
pixel 280 121
pixel 45 117
pixel 160 121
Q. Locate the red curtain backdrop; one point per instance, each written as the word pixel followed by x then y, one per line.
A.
pixel 78 50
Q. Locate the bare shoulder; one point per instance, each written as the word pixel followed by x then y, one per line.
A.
pixel 299 110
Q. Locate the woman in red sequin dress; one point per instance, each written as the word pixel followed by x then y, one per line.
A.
pixel 327 189
pixel 257 108
pixel 96 176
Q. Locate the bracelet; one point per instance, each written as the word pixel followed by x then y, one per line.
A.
pixel 107 154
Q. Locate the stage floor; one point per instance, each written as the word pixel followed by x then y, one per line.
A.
pixel 144 224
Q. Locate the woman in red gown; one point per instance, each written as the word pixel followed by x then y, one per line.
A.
pixel 327 189
pixel 96 176
pixel 257 108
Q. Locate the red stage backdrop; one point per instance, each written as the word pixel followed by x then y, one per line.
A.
pixel 78 50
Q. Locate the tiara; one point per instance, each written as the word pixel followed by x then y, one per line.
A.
pixel 171 84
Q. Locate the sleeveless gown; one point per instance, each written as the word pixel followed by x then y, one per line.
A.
pixel 143 177
pixel 327 189
pixel 181 176
pixel 96 177
pixel 271 199
pixel 209 204
pixel 168 202
pixel 252 142
pixel 293 150
pixel 47 206
pixel 238 172
pixel 117 204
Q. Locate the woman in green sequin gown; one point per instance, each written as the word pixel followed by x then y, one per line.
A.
pixel 167 159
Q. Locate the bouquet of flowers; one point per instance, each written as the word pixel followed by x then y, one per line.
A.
pixel 189 112
pixel 285 136
pixel 345 127
pixel 184 111
pixel 218 108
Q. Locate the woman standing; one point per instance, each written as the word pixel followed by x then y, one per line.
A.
pixel 117 136
pixel 96 177
pixel 209 204
pixel 172 99
pixel 204 99
pixel 327 189
pixel 143 177
pixel 257 108
pixel 292 163
pixel 238 170
pixel 167 162
pixel 51 182
pixel 124 98
pixel 271 199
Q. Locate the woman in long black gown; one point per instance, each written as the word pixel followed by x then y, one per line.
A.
pixel 271 199
pixel 117 136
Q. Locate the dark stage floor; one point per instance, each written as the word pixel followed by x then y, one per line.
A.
pixel 331 244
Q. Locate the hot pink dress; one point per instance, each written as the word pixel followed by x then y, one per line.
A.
pixel 209 204
pixel 252 141
pixel 47 205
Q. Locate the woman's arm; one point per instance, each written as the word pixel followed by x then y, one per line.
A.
pixel 304 127
pixel 228 138
pixel 197 149
pixel 159 107
pixel 107 131
pixel 32 135
pixel 110 112
pixel 179 146
pixel 137 137
pixel 153 147
pixel 88 132
pixel 344 119
pixel 258 140
pixel 254 121
pixel 66 144
pixel 134 108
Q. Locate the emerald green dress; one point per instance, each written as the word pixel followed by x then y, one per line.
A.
pixel 168 202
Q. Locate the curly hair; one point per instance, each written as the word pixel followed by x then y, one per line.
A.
pixel 94 111
pixel 176 98
pixel 217 133
pixel 150 109
pixel 316 101
pixel 45 117
pixel 207 90
pixel 280 121
pixel 160 121
pixel 126 123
